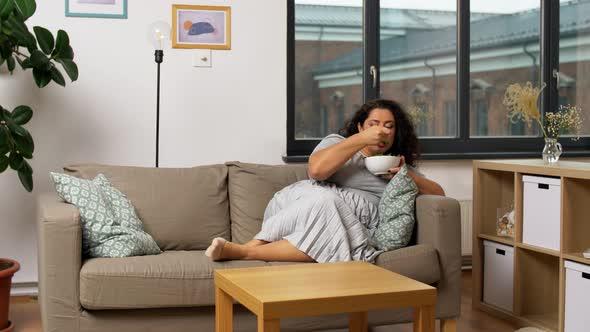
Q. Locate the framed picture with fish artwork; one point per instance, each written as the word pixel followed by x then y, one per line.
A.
pixel 195 26
pixel 97 8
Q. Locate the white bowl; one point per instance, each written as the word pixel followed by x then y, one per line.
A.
pixel 381 164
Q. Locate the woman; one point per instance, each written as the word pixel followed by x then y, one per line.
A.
pixel 332 216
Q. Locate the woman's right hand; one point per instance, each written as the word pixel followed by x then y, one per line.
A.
pixel 375 135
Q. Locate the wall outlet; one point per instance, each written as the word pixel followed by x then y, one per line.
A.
pixel 202 58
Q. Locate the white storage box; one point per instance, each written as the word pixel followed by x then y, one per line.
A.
pixel 577 297
pixel 498 275
pixel 541 211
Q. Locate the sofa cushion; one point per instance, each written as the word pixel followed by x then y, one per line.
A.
pixel 110 227
pixel 185 278
pixel 250 188
pixel 396 212
pixel 171 279
pixel 182 208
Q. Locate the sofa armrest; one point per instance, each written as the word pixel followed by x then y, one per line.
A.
pixel 439 224
pixel 60 258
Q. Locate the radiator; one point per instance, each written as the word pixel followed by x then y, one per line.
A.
pixel 466 228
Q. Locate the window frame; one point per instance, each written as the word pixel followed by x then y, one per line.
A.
pixel 463 146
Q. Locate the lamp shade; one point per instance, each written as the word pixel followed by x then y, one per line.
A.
pixel 157 33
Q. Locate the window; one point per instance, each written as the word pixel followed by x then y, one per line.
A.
pixel 322 36
pixel 418 52
pixel 573 57
pixel 449 60
pixel 451 120
pixel 482 119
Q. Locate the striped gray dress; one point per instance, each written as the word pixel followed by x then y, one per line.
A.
pixel 332 220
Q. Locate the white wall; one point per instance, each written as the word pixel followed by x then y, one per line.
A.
pixel 232 111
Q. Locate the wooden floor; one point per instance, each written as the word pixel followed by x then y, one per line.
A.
pixel 24 312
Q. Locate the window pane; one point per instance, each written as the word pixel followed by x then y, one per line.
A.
pixel 574 53
pixel 418 62
pixel 328 65
pixel 504 50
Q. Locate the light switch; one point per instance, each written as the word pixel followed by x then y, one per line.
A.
pixel 202 58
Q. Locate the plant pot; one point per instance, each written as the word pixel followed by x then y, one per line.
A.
pixel 8 268
pixel 10 327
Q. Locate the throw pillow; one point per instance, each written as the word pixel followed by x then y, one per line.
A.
pixel 396 212
pixel 110 227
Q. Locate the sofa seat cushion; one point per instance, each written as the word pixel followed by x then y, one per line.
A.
pixel 171 279
pixel 185 278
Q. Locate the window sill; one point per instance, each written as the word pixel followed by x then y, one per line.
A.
pixel 459 156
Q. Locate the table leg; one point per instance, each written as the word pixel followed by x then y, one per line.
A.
pixel 268 325
pixel 424 319
pixel 223 311
pixel 358 321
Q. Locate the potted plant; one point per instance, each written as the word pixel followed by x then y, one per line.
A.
pixel 7 269
pixel 40 52
pixel 523 105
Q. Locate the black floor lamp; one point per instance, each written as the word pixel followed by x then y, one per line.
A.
pixel 158 32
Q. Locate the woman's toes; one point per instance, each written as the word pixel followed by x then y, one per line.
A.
pixel 216 248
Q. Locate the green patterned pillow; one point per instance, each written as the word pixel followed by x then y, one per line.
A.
pixel 110 227
pixel 396 212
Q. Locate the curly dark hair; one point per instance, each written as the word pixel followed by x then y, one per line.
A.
pixel 405 142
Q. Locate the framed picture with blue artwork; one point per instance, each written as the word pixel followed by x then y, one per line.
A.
pixel 97 8
pixel 195 26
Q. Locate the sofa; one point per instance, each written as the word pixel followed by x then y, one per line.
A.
pixel 183 209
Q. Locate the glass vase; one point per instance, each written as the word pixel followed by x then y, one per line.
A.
pixel 551 151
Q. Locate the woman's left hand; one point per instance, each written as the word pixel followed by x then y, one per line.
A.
pixel 393 171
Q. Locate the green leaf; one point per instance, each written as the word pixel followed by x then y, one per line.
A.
pixel 25 174
pixel 14 128
pixel 21 32
pixel 26 7
pixel 40 60
pixel 24 64
pixel 5 114
pixel 6 7
pixel 57 77
pixel 6 30
pixel 5 51
pixel 67 53
pixel 22 114
pixel 11 63
pixel 3 136
pixel 42 77
pixel 62 41
pixel 45 39
pixel 25 145
pixel 15 160
pixel 3 163
pixel 70 67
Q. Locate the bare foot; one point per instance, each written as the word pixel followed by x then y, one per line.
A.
pixel 216 248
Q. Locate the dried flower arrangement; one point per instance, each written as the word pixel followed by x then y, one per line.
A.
pixel 418 115
pixel 522 103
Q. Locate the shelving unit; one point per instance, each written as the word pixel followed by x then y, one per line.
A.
pixel 539 273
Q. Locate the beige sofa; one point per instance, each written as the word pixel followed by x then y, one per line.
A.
pixel 183 209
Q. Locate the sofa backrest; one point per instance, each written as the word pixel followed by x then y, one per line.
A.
pixel 182 208
pixel 250 188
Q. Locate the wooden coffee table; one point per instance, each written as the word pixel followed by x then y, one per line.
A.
pixel 277 292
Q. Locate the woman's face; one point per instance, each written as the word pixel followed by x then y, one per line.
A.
pixel 384 118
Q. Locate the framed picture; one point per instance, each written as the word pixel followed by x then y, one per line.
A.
pixel 96 8
pixel 196 26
